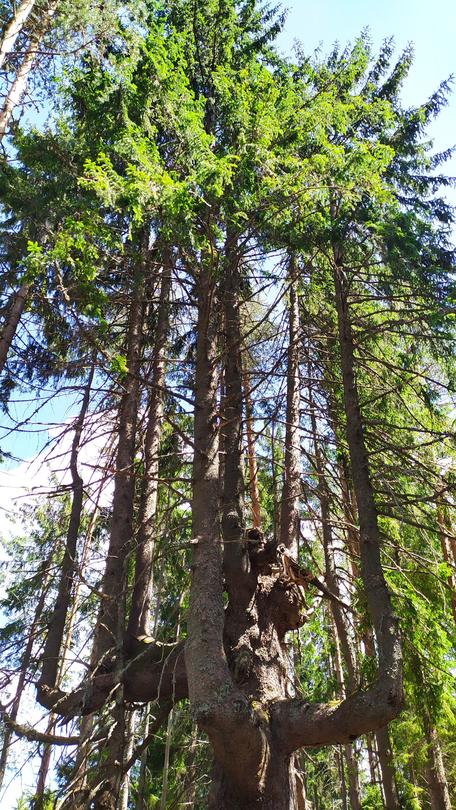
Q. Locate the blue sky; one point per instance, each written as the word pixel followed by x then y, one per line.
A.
pixel 430 25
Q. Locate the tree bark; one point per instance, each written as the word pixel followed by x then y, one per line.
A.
pixel 251 452
pixel 437 783
pixel 110 629
pixel 445 542
pixel 378 598
pixel 289 517
pixel 139 622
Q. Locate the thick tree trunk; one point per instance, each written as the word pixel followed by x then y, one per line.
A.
pixel 14 28
pixel 12 323
pixel 20 81
pixel 139 622
pixel 248 771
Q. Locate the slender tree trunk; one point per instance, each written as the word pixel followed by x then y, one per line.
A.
pixel 20 81
pixel 110 629
pixel 251 452
pixel 437 783
pixel 445 541
pixel 378 598
pixel 45 576
pixel 52 648
pixel 14 28
pixel 231 428
pixel 289 518
pixel 343 645
pixel 39 799
pixel 169 732
pixel 385 759
pixel 129 743
pixel 139 623
pixel 12 323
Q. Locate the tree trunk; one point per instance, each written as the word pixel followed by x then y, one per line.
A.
pixel 340 627
pixel 251 452
pixel 45 575
pixel 39 800
pixel 109 633
pixel 445 541
pixel 11 325
pixel 437 783
pixel 52 648
pixel 377 595
pixel 385 759
pixel 14 28
pixel 139 622
pixel 289 518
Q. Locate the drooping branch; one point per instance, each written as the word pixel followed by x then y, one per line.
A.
pixel 32 734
